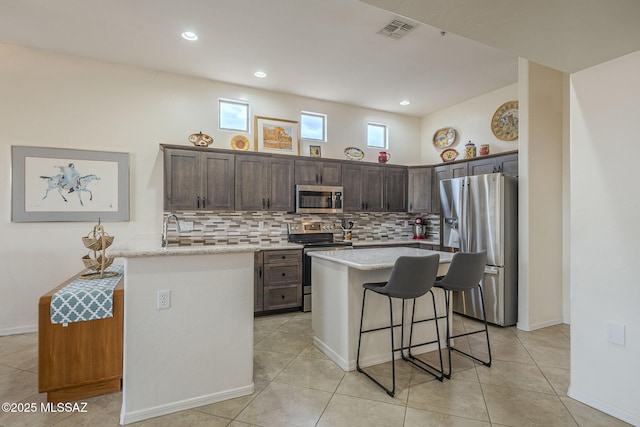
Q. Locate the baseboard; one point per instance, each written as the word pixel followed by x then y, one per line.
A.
pixel 157 411
pixel 342 363
pixel 540 325
pixel 633 419
pixel 18 330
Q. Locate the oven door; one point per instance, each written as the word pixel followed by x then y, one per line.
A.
pixel 318 199
pixel 306 272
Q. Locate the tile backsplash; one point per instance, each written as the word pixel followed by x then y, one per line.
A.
pixel 232 228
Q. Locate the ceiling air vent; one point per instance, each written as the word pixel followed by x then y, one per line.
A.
pixel 398 28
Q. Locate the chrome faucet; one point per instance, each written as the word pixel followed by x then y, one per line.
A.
pixel 165 239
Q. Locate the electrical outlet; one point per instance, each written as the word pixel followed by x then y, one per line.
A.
pixel 164 299
pixel 186 226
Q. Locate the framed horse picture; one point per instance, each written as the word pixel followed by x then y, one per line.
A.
pixel 57 184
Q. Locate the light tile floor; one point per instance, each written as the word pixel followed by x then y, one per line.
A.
pixel 297 385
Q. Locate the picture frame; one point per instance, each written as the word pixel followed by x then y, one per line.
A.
pixel 58 184
pixel 276 136
pixel 315 151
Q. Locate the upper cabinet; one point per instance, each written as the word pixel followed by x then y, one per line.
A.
pixel 419 189
pixel 264 183
pixel 374 188
pixel 441 172
pixel 320 172
pixel 395 189
pixel 507 164
pixel 198 180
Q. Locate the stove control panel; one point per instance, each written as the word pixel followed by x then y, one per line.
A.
pixel 310 227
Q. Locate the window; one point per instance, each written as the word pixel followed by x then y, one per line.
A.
pixel 313 126
pixel 376 135
pixel 233 115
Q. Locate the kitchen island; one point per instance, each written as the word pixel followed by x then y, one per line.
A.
pixel 199 350
pixel 337 278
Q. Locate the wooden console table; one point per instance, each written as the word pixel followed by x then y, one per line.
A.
pixel 83 359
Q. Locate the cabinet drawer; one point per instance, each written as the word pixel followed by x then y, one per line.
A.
pixel 285 256
pixel 282 297
pixel 282 274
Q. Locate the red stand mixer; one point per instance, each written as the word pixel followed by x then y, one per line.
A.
pixel 418 229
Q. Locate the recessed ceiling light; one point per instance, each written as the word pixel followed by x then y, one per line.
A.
pixel 405 102
pixel 260 74
pixel 188 35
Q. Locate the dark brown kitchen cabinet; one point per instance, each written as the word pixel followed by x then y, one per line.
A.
pixel 316 172
pixel 507 164
pixel 264 183
pixel 278 280
pixel 363 188
pixel 198 180
pixel 419 189
pixel 395 189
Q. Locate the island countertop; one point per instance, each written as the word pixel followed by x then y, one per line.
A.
pixel 377 258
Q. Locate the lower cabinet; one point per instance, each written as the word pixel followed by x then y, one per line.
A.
pixel 278 279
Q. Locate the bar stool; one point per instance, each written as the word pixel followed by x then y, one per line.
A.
pixel 465 273
pixel 411 277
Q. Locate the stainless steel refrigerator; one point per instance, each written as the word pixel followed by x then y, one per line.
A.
pixel 481 213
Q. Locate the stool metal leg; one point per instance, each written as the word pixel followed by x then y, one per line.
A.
pixel 485 330
pixel 415 361
pixel 393 364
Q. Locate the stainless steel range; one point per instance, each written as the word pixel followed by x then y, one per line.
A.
pixel 314 236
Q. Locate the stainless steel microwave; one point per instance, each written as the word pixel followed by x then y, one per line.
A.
pixel 318 199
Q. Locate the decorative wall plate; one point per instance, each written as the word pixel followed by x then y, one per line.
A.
pixel 354 153
pixel 200 139
pixel 504 123
pixel 240 142
pixel 444 137
pixel 449 155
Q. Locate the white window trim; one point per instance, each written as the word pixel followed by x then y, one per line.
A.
pixel 386 135
pixel 238 102
pixel 324 122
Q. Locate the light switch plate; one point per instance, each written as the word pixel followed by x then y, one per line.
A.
pixel 616 332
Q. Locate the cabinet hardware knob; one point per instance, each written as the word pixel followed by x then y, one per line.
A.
pixel 198 202
pixel 284 274
pixel 204 200
pixel 268 203
pixel 316 178
pixel 282 296
pixel 263 203
pixel 320 179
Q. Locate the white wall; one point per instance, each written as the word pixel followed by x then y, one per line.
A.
pixel 472 121
pixel 540 196
pixel 51 100
pixel 605 201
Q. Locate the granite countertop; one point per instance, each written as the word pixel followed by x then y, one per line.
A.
pixel 147 248
pixel 376 258
pixel 404 241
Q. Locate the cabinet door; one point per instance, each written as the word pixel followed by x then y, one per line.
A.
pixel 482 166
pixel 218 173
pixel 352 178
pixel 181 179
pixel 419 188
pixel 281 188
pixel 307 172
pixel 252 184
pixel 458 170
pixel 373 188
pixel 258 282
pixel 331 173
pixel 395 189
pixel 439 173
pixel 508 164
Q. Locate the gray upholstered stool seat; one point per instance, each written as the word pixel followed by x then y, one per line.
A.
pixel 465 273
pixel 411 278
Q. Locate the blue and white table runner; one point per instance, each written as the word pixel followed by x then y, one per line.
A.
pixel 85 299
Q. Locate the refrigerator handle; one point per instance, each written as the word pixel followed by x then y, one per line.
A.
pixel 464 216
